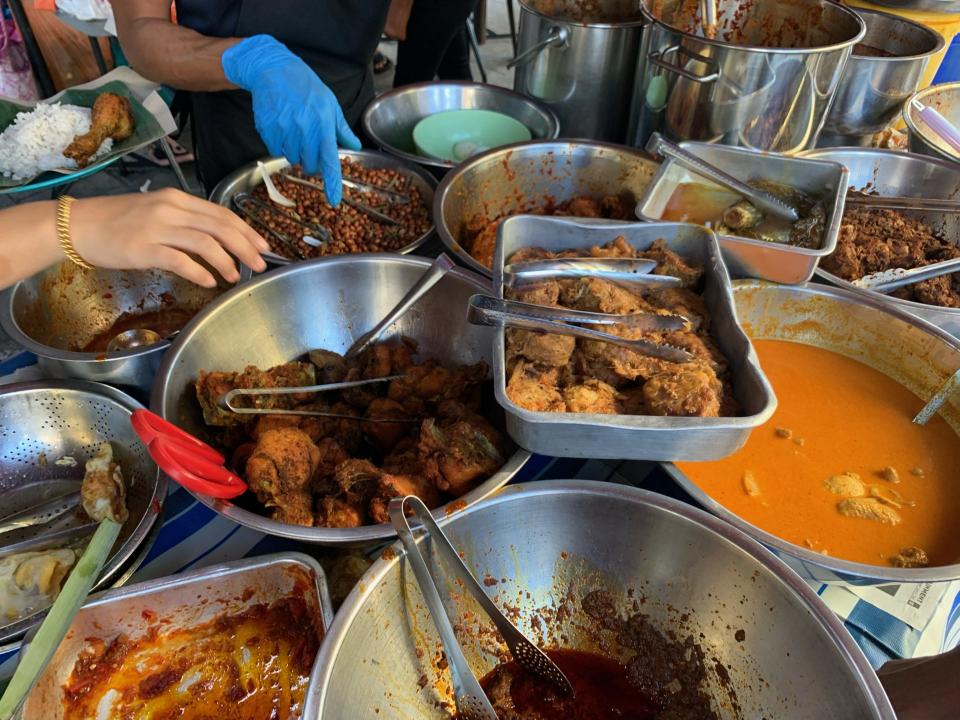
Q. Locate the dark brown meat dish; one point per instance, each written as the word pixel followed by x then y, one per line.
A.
pixel 337 472
pixel 556 373
pixel 872 240
pixel 480 232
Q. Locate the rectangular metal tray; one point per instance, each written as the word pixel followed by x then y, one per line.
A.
pixel 635 437
pixel 756 258
pixel 185 600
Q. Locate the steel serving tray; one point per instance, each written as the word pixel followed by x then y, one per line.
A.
pixel 755 258
pixel 889 173
pixel 179 601
pixel 902 346
pixel 636 437
pixel 247 178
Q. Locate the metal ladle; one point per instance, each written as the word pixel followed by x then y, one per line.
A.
pixel 129 339
pixel 472 702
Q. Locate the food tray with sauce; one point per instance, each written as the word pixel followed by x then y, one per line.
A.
pixel 915 354
pixel 779 262
pixel 636 437
pixel 247 178
pixel 185 603
pixel 887 173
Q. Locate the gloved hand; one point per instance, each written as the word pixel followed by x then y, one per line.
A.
pixel 295 113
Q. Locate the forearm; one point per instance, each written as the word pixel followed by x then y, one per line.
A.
pixel 28 241
pixel 167 53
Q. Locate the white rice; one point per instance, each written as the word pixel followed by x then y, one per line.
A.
pixel 35 141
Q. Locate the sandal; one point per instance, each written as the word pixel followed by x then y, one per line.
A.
pixel 381 63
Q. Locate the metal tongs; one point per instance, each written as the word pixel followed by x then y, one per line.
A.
pixel 487 310
pixel 248 204
pixel 362 207
pixel 766 202
pixel 889 280
pixel 471 701
pixel 634 272
pixel 903 203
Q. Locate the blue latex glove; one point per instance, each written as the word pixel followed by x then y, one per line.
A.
pixel 297 116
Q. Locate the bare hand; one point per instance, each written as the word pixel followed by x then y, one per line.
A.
pixel 168 230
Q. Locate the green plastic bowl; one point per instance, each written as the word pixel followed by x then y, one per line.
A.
pixel 455 135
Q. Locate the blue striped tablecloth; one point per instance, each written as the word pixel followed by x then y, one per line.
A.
pixel 194 536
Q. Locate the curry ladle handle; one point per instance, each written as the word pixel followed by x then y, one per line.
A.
pixel 472 702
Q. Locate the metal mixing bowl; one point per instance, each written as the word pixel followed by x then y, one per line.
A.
pixel 389 120
pixel 694 574
pixel 936 6
pixel 247 178
pixel 916 354
pixel 42 422
pixel 323 303
pixel 65 307
pixel 517 178
pixel 945 99
pixel 892 173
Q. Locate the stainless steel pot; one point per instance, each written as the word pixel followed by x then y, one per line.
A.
pixel 579 57
pixel 694 574
pixel 892 173
pixel 324 303
pixel 522 177
pixel 766 81
pixel 389 120
pixel 65 307
pixel 936 6
pixel 945 99
pixel 913 352
pixel 872 89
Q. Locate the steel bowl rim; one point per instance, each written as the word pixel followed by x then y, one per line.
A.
pixel 938 40
pixel 843 45
pixel 525 4
pixel 912 126
pixel 399 164
pixel 413 88
pixel 115 568
pixel 366 534
pixel 353 605
pixel 555 145
pixel 940 573
pixel 846 285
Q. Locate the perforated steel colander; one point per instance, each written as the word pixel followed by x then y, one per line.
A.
pixel 48 430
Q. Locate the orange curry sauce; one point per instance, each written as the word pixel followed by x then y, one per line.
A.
pixel 248 666
pixel 841 416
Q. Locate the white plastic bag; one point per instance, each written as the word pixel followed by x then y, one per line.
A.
pixel 85 9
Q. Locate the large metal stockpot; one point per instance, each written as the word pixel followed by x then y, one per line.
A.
pixel 579 57
pixel 324 303
pixel 766 81
pixel 899 174
pixel 544 546
pixel 873 89
pixel 913 352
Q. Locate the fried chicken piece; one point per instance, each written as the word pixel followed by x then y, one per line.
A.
pixel 111 117
pixel 669 263
pixel 540 348
pixel 681 301
pixel 541 292
pixel 460 455
pixel 940 291
pixel 357 479
pixel 391 486
pixel 265 423
pixel 528 254
pixel 210 386
pixel 591 396
pixel 404 459
pixel 331 455
pixel 530 388
pixel 334 512
pixel 602 296
pixel 280 471
pixel 689 392
pixel 618 247
pixel 385 359
pixel 433 382
pixel 386 435
pixel 103 494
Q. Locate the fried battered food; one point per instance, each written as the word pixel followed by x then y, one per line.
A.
pixel 343 472
pixel 591 376
pixel 111 117
pixel 280 471
pixel 103 494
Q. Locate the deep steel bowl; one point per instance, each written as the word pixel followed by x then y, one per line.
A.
pixel 42 422
pixel 517 178
pixel 324 303
pixel 911 351
pixel 945 99
pixel 872 89
pixel 65 307
pixel 247 178
pixel 936 6
pixel 694 574
pixel 389 120
pixel 892 173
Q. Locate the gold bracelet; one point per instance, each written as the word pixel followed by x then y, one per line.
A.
pixel 63 232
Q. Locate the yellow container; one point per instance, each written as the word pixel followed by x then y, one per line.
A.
pixel 947 24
